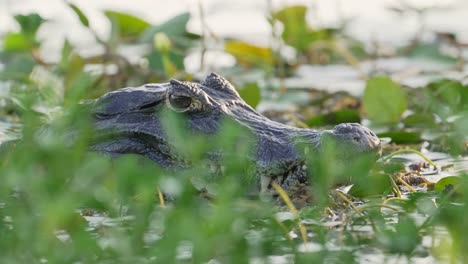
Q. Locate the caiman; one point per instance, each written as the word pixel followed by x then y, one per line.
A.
pixel 129 120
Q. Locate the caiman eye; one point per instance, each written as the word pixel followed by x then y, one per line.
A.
pixel 179 103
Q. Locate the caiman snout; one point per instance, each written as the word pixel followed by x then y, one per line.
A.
pixel 356 137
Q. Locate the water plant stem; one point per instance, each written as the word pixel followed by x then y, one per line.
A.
pixel 284 196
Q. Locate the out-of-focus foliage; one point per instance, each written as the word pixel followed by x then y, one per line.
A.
pixel 384 100
pixel 296 30
pixel 60 203
pixel 124 26
pixel 251 94
pixel 250 55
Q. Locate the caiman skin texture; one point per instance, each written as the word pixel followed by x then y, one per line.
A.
pixel 129 120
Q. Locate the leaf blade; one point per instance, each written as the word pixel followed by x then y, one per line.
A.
pixel 384 100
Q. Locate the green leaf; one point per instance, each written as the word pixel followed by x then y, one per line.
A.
pixel 447 97
pixel 248 54
pixel 49 85
pixel 15 42
pixel 402 239
pixel 402 137
pixel 75 66
pixel 336 117
pixel 19 65
pixel 155 60
pixel 83 19
pixel 392 167
pixel 67 50
pixel 376 184
pixel 384 100
pixel 432 52
pixel 29 23
pixel 444 183
pixel 422 120
pixel 295 25
pixel 296 30
pixel 251 94
pixel 127 27
pixel 175 26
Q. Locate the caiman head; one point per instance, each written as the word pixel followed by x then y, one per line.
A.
pixel 129 121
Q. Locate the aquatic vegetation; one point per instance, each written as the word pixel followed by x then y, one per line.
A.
pixel 61 203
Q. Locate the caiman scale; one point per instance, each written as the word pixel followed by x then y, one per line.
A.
pixel 130 119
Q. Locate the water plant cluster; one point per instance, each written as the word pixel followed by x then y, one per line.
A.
pixel 61 203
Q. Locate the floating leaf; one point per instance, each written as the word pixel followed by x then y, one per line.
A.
pixel 83 19
pixel 248 54
pixel 127 26
pixel 384 100
pixel 402 137
pixel 251 94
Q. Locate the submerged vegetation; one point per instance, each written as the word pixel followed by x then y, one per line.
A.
pixel 61 203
